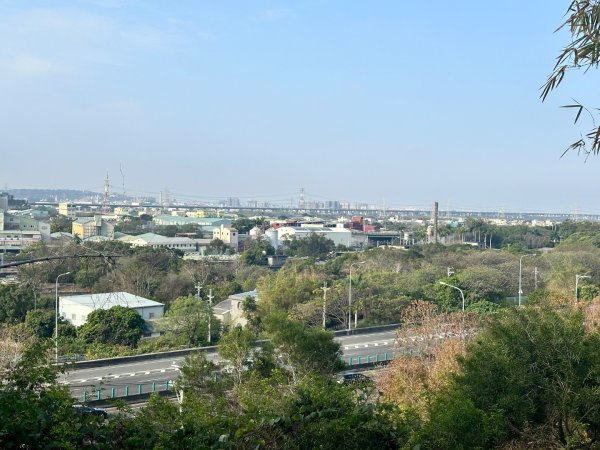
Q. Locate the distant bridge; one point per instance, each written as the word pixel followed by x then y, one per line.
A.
pixel 379 212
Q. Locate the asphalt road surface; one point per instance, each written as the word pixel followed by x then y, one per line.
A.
pixel 139 377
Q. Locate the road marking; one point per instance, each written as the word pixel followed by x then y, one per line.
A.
pixel 356 346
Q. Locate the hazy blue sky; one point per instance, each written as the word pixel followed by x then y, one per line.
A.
pixel 395 101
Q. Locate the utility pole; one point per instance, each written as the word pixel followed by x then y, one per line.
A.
pixel 210 297
pixel 535 276
pixel 198 287
pixel 325 289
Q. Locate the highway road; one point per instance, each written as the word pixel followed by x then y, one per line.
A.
pixel 160 371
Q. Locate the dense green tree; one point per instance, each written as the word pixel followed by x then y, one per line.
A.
pixel 40 323
pixel 235 348
pixel 449 298
pixel 186 322
pixel 35 413
pixel 250 308
pixel 530 367
pixel 484 307
pixel 244 224
pixel 322 414
pixel 287 287
pixel 588 292
pixel 115 326
pixel 314 245
pixel 303 349
pixel 199 377
pixel 61 224
pixel 14 303
pixel 217 247
pixel 256 251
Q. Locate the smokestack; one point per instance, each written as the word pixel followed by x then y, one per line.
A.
pixel 434 217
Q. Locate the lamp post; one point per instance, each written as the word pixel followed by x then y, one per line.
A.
pixel 577 278
pixel 520 273
pixel 462 294
pixel 325 289
pixel 56 318
pixel 350 296
pixel 210 297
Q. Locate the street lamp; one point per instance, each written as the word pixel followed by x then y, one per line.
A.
pixel 350 296
pixel 577 278
pixel 462 294
pixel 56 318
pixel 520 273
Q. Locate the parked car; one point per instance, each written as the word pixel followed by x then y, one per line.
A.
pixel 84 409
pixel 351 377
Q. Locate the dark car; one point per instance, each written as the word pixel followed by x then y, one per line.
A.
pixel 352 377
pixel 84 409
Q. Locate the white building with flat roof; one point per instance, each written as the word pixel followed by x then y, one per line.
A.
pixel 338 235
pixel 76 308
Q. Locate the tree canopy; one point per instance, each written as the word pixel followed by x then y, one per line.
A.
pixel 116 326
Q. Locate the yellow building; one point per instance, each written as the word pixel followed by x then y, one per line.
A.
pixel 86 227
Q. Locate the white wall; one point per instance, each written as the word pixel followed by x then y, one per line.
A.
pixel 72 312
pixel 76 313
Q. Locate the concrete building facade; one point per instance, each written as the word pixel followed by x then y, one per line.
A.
pixel 228 235
pixel 86 227
pixel 17 232
pixel 230 311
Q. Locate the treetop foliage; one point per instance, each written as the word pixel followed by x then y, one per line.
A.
pixel 582 52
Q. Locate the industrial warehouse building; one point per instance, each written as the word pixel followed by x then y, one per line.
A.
pixel 76 308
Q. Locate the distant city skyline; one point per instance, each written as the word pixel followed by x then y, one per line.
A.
pixel 402 104
pixel 292 201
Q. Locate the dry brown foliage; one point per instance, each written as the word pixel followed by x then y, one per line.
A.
pixel 428 345
pixel 13 341
pixel 591 315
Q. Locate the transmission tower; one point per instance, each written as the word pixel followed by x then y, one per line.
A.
pixel 106 201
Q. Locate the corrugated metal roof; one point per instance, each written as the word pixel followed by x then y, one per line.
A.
pixel 156 238
pixel 110 299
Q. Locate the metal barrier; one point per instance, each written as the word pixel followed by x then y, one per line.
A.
pixel 143 389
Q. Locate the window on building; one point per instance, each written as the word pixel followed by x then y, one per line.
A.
pixel 150 315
